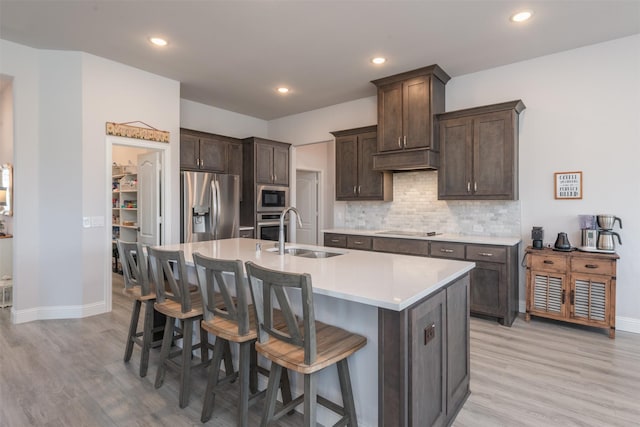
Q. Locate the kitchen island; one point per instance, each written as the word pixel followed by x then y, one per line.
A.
pixel 414 312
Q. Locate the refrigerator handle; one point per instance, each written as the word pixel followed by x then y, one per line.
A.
pixel 213 219
pixel 218 208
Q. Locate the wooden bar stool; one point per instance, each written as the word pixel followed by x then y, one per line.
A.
pixel 231 319
pixel 305 345
pixel 138 288
pixel 175 299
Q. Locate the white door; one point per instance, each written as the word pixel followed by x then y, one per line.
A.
pixel 149 201
pixel 307 205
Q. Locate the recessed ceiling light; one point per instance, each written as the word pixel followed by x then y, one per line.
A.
pixel 158 41
pixel 379 60
pixel 521 16
pixel 283 90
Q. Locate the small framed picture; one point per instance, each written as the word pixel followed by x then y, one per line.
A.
pixel 568 185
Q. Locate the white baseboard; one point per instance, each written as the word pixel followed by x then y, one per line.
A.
pixel 58 312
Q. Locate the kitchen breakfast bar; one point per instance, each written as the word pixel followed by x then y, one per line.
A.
pixel 414 312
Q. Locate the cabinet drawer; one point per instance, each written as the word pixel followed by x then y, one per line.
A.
pixel 486 253
pixel 593 266
pixel 246 234
pixel 360 242
pixel 548 262
pixel 447 250
pixel 401 246
pixel 335 240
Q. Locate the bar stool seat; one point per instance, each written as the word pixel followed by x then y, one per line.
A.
pixel 305 345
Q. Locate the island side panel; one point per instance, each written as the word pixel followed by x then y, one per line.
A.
pixel 423 360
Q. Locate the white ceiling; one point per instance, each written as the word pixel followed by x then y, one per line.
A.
pixel 233 54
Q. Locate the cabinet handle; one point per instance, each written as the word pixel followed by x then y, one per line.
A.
pixel 399 143
pixel 335 241
pixel 564 295
pixel 475 186
pixel 404 143
pixel 446 251
pixel 591 265
pixel 359 188
pixel 572 297
pixel 358 242
pixel 354 190
pixel 275 177
pixel 468 186
pixel 201 163
pixel 547 261
pixel 485 254
pixel 429 333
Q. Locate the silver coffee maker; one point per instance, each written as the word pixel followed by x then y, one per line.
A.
pixel 606 242
pixel 589 232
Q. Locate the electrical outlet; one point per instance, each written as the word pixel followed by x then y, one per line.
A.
pixel 86 221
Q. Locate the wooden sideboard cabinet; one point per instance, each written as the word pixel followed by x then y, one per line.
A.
pixel 576 287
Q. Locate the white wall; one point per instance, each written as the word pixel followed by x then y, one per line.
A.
pixel 582 114
pixel 204 118
pixel 6 135
pixel 62 101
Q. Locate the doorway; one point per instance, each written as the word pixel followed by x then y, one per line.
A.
pixel 307 191
pixel 136 194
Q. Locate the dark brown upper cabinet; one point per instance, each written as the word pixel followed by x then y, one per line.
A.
pixel 407 103
pixel 269 160
pixel 209 152
pixel 479 153
pixel 355 177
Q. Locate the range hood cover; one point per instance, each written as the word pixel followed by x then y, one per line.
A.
pixel 407 160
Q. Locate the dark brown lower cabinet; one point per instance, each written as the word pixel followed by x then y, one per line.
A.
pixel 424 359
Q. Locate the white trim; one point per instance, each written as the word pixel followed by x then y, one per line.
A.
pixel 628 324
pixel 165 153
pixel 58 312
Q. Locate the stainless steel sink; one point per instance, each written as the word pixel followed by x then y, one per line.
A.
pixel 307 253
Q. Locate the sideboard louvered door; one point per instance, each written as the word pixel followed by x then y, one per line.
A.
pixel 574 286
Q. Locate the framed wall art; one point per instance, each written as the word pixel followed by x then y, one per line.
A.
pixel 568 185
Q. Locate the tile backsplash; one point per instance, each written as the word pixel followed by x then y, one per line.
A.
pixel 416 207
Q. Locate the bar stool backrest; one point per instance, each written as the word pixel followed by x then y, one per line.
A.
pixel 169 273
pixel 217 277
pixel 269 287
pixel 134 266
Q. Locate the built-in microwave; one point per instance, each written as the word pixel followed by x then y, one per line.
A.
pixel 272 199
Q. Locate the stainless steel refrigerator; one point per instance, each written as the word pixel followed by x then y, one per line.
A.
pixel 210 206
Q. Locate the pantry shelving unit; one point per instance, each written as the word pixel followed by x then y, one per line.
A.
pixel 124 207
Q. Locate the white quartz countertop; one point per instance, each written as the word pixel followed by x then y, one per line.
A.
pixel 480 240
pixel 379 279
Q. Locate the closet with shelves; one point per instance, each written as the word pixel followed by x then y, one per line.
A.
pixel 124 203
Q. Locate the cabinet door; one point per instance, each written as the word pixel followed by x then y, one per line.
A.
pixel 264 163
pixel 213 155
pixel 589 297
pixel 456 138
pixel 281 165
pixel 547 294
pixel 416 113
pixel 189 152
pixel 390 117
pixel 427 362
pixel 458 345
pixel 493 155
pixel 370 182
pixel 347 167
pixel 488 289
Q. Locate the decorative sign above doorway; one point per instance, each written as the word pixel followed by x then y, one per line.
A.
pixel 126 130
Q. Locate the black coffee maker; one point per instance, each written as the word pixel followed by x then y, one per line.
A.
pixel 537 234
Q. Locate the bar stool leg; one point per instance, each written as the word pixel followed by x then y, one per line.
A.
pixel 272 394
pixel 167 340
pixel 243 369
pixel 185 373
pixel 133 329
pixel 347 393
pixel 310 400
pixel 147 336
pixel 212 381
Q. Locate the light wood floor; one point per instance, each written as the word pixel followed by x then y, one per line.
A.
pixel 70 373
